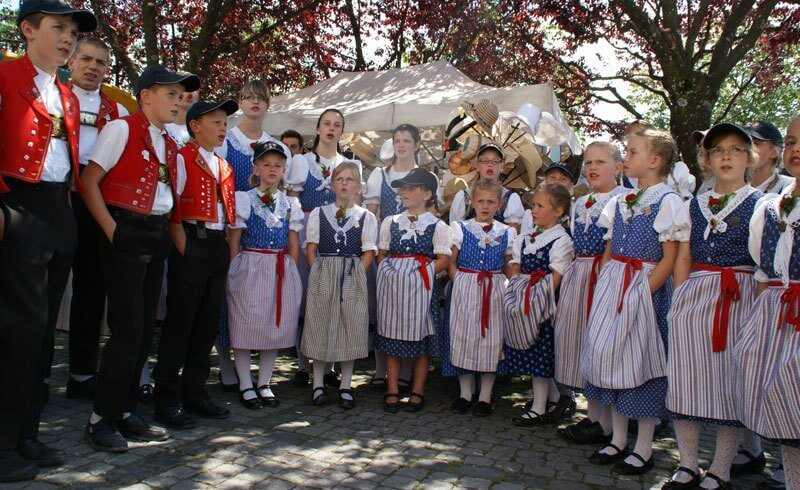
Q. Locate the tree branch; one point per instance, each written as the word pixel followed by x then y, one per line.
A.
pixel 117 46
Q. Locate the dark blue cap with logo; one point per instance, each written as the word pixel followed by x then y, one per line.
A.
pixel 161 75
pixel 201 108
pixel 264 147
pixel 418 177
pixel 765 131
pixel 85 19
pixel 723 129
pixel 561 167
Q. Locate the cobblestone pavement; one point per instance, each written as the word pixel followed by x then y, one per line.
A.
pixel 299 445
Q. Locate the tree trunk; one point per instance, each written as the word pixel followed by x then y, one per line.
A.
pixel 690 113
pixel 149 12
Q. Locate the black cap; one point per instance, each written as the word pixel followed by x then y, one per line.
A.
pixel 201 108
pixel 161 75
pixel 765 131
pixel 85 19
pixel 263 147
pixel 418 176
pixel 722 129
pixel 561 166
pixel 490 146
pixel 697 136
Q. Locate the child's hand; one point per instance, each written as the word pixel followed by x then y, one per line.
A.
pixel 110 232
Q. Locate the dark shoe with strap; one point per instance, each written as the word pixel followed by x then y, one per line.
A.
pixel 301 379
pixel 564 408
pixel 346 403
pixel 721 484
pixel 252 403
pixel 14 467
pixel 530 419
pixel 145 394
pixel 391 407
pixel 412 406
pixel 460 406
pixel 600 458
pixel 207 409
pixel 40 454
pixel 268 401
pixel 319 396
pixel 81 390
pixel 753 466
pixel 136 428
pixel 628 469
pixel 174 418
pixel 585 432
pixel 482 409
pixel 676 485
pixel 104 436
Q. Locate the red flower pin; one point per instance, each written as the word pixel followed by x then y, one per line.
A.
pixel 488 228
pixel 590 202
pixel 267 199
pixel 326 172
pixel 412 218
pixel 630 198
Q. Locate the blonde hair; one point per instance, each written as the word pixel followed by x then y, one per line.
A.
pixel 351 166
pixel 484 185
pixel 612 148
pixel 255 181
pixel 660 144
pixel 255 87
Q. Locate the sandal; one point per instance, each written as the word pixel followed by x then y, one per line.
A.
pixel 676 485
pixel 346 403
pixel 628 469
pixel 393 407
pixel 268 401
pixel 530 419
pixel 601 458
pixel 415 406
pixel 252 403
pixel 319 396
pixel 720 482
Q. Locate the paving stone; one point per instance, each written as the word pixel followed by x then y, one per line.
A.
pixel 400 482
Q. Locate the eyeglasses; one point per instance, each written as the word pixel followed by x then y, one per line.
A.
pixel 253 97
pixel 490 162
pixel 734 151
pixel 345 180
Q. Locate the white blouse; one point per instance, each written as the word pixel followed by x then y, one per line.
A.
pixel 783 250
pixel 476 229
pixel 301 165
pixel 442 240
pixel 561 253
pixel 368 232
pixel 250 201
pixel 580 213
pixel 672 223
pixel 513 213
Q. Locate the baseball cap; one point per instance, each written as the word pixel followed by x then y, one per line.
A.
pixel 201 108
pixel 161 75
pixel 264 147
pixel 491 146
pixel 765 131
pixel 85 19
pixel 562 167
pixel 722 129
pixel 418 176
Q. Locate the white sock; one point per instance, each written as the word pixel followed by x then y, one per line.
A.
pixel 487 382
pixel 81 377
pixel 791 467
pixel 94 418
pixel 242 359
pixel 687 433
pixel 541 389
pixel 465 386
pixel 406 368
pixel 266 364
pixel 319 373
pixel 380 361
pixel 619 425
pixel 227 369
pixel 347 377
pixel 727 443
pixel 644 441
pixel 144 376
pixel 554 394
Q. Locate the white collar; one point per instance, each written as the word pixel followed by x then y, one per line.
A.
pixel 44 77
pixel 155 131
pixel 85 93
pixel 491 237
pixel 273 219
pixel 543 239
pixel 601 199
pixel 208 156
pixel 353 216
pixel 411 230
pixel 716 222
pixel 245 141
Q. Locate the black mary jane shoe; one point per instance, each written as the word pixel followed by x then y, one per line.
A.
pixel 268 401
pixel 530 419
pixel 391 407
pixel 482 409
pixel 145 394
pixel 600 458
pixel 460 406
pixel 252 403
pixel 676 485
pixel 415 406
pixel 629 469
pixel 585 432
pixel 721 484
pixel 319 396
pixel 753 466
pixel 346 403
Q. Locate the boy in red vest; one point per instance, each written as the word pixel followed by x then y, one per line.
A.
pixel 90 64
pixel 129 191
pixel 197 269
pixel 40 119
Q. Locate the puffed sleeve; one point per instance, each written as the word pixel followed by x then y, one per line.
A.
pixel 606 218
pixel 561 254
pixel 243 209
pixel 458 208
pixel 516 250
pixel 527 223
pixel 369 232
pixel 386 234
pixel 298 173
pixel 456 234
pixel 442 239
pixel 514 210
pixel 312 227
pixel 686 210
pixel 372 193
pixel 756 231
pixel 295 214
pixel 672 220
pixel 512 239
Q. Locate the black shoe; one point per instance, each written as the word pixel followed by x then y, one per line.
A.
pixel 174 418
pixel 319 396
pixel 676 485
pixel 14 468
pixel 603 459
pixel 81 390
pixel 134 427
pixel 585 432
pixel 39 454
pixel 252 403
pixel 415 406
pixel 753 466
pixel 533 419
pixel 629 469
pixel 104 436
pixel 482 409
pixel 460 406
pixel 391 407
pixel 565 408
pixel 231 388
pixel 301 379
pixel 268 401
pixel 346 403
pixel 145 394
pixel 331 379
pixel 721 484
pixel 207 409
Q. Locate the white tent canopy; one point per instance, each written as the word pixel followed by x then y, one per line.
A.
pixel 424 95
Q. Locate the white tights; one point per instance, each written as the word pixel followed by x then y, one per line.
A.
pixel 266 364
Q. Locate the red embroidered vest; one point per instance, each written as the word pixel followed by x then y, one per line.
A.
pixel 201 192
pixel 133 182
pixel 109 111
pixel 27 126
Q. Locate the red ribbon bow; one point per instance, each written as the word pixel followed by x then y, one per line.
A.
pixel 279 270
pixel 790 307
pixel 536 276
pixel 485 280
pixel 728 292
pixel 596 259
pixel 488 228
pixel 423 260
pixel 632 265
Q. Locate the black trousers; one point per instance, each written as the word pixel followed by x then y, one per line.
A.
pixel 133 266
pixel 88 293
pixel 35 256
pixel 195 295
